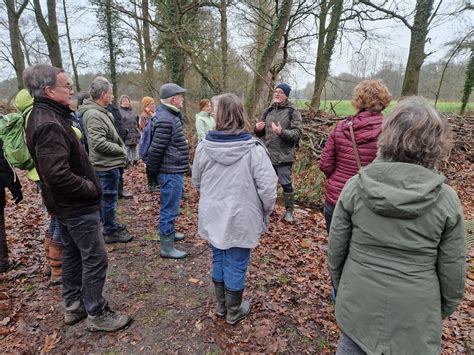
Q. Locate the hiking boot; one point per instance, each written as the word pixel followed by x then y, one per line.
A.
pixel 236 308
pixel 153 188
pixel 107 321
pixel 178 236
pixel 220 297
pixel 119 236
pixel 47 241
pixel 75 313
pixel 167 249
pixel 289 199
pixel 55 262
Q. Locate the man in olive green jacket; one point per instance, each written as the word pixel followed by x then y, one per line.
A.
pixel 107 154
pixel 281 128
pixel 397 258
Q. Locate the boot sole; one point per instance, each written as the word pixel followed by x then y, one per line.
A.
pixel 108 330
pixel 173 257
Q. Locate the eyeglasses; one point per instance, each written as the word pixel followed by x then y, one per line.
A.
pixel 67 86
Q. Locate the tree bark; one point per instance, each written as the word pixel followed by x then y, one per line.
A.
pixel 109 24
pixel 326 42
pixel 149 55
pixel 15 38
pixel 416 55
pixel 224 44
pixel 49 30
pixel 469 83
pixel 71 52
pixel 139 39
pixel 265 59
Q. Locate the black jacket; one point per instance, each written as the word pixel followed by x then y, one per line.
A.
pixel 69 184
pixel 169 151
pixel 118 120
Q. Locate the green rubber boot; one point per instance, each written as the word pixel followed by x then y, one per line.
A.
pixel 289 199
pixel 220 297
pixel 236 308
pixel 167 249
pixel 179 236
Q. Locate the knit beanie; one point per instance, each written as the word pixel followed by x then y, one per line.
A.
pixel 285 87
pixel 147 100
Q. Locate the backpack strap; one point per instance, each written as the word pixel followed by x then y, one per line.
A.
pixel 290 113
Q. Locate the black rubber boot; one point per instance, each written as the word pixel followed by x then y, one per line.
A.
pixel 220 297
pixel 236 308
pixel 289 199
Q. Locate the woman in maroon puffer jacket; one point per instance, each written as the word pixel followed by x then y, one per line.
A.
pixel 338 160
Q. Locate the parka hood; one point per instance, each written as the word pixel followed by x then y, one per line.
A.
pixel 228 151
pixel 367 126
pixel 23 100
pixel 399 190
pixel 90 104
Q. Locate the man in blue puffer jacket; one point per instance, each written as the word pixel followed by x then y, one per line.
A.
pixel 168 157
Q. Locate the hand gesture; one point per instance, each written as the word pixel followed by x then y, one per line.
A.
pixel 260 126
pixel 276 128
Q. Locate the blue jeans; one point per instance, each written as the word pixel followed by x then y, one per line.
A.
pixel 230 266
pixel 328 212
pixel 84 261
pixel 53 228
pixel 171 190
pixel 347 346
pixel 109 181
pixel 131 154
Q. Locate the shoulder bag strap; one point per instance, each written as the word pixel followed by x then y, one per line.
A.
pixel 354 144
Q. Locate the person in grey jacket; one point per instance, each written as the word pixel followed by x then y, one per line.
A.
pixel 107 155
pixel 237 183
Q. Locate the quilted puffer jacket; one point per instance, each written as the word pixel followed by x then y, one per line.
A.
pixel 338 161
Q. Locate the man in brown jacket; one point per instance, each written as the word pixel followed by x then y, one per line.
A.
pixel 71 193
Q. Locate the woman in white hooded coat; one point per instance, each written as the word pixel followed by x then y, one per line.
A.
pixel 237 184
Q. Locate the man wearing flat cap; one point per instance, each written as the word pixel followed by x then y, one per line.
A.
pixel 280 127
pixel 168 158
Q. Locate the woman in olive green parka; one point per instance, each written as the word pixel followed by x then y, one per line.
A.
pixel 397 244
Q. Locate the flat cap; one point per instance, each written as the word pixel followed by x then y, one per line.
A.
pixel 170 89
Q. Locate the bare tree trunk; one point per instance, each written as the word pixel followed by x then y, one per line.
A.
pixel 326 42
pixel 224 44
pixel 469 83
pixel 139 39
pixel 149 55
pixel 15 38
pixel 417 55
pixel 265 59
pixel 109 24
pixel 71 53
pixel 49 30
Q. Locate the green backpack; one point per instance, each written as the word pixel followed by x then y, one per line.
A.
pixel 12 134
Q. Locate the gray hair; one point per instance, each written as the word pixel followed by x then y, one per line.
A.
pixel 81 97
pixel 414 132
pixel 37 77
pixel 98 86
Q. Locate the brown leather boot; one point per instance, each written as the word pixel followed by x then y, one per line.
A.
pixel 55 261
pixel 47 241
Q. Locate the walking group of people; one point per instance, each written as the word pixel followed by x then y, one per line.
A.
pixel 397 247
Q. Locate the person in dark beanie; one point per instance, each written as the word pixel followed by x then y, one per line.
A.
pixel 72 193
pixel 168 158
pixel 281 128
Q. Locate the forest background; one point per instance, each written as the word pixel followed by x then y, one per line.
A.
pixel 321 48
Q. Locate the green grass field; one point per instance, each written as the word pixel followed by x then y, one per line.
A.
pixel 344 107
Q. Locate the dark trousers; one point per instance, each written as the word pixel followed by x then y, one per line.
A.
pixel 84 261
pixel 151 179
pixel 3 235
pixel 328 212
